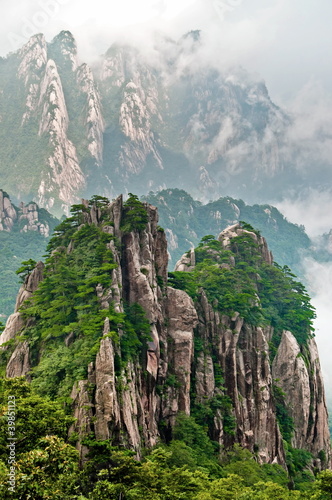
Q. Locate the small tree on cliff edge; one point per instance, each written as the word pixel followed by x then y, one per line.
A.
pixel 135 215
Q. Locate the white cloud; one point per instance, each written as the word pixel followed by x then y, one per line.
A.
pixel 319 275
pixel 313 211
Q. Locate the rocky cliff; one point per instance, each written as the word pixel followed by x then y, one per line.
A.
pixel 134 120
pixel 201 356
pixel 25 217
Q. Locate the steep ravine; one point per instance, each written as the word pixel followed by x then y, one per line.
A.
pixel 197 358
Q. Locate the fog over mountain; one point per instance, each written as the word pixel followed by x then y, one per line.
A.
pixel 286 43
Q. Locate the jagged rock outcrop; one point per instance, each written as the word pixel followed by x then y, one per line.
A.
pixel 196 355
pixel 65 45
pixel 231 232
pixel 27 217
pixel 45 101
pixel 8 214
pixel 187 262
pixel 296 370
pixel 65 172
pixel 135 124
pixel 241 351
pixel 33 60
pixel 94 119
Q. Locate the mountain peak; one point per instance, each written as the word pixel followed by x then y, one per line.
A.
pixel 194 35
pixel 64 46
pixel 65 36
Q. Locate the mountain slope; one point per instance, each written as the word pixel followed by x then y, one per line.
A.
pixel 133 350
pixel 50 121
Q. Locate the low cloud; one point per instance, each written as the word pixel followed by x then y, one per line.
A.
pixel 319 275
pixel 312 209
pixel 310 135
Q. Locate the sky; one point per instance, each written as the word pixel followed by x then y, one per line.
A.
pixel 285 43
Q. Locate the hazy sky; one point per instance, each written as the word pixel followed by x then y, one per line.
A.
pixel 286 43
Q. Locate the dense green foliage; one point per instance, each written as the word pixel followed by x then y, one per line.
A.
pixel 47 465
pixel 239 280
pixel 135 217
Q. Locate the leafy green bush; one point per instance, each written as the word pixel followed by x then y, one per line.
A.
pixel 135 216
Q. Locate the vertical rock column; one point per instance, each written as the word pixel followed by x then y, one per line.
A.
pixel 297 372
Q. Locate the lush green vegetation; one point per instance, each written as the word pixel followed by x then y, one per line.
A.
pixel 239 280
pixel 135 217
pixel 64 333
pixel 66 312
pixel 47 464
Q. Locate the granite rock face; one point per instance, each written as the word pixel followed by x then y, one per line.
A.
pixel 226 236
pixel 297 371
pixel 242 353
pixel 196 355
pixel 27 217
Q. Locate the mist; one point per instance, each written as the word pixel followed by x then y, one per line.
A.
pixel 319 275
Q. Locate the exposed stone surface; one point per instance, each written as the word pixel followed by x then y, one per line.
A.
pixel 14 325
pixel 45 104
pixel 26 216
pixel 242 353
pixel 19 363
pixel 66 45
pixel 8 214
pixel 298 373
pixel 134 121
pixel 65 173
pixel 182 318
pixel 30 285
pixel 187 262
pixel 160 110
pixel 33 60
pixel 94 119
pixel 231 232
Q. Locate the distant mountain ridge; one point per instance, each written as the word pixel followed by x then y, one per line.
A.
pixel 130 123
pixel 186 221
